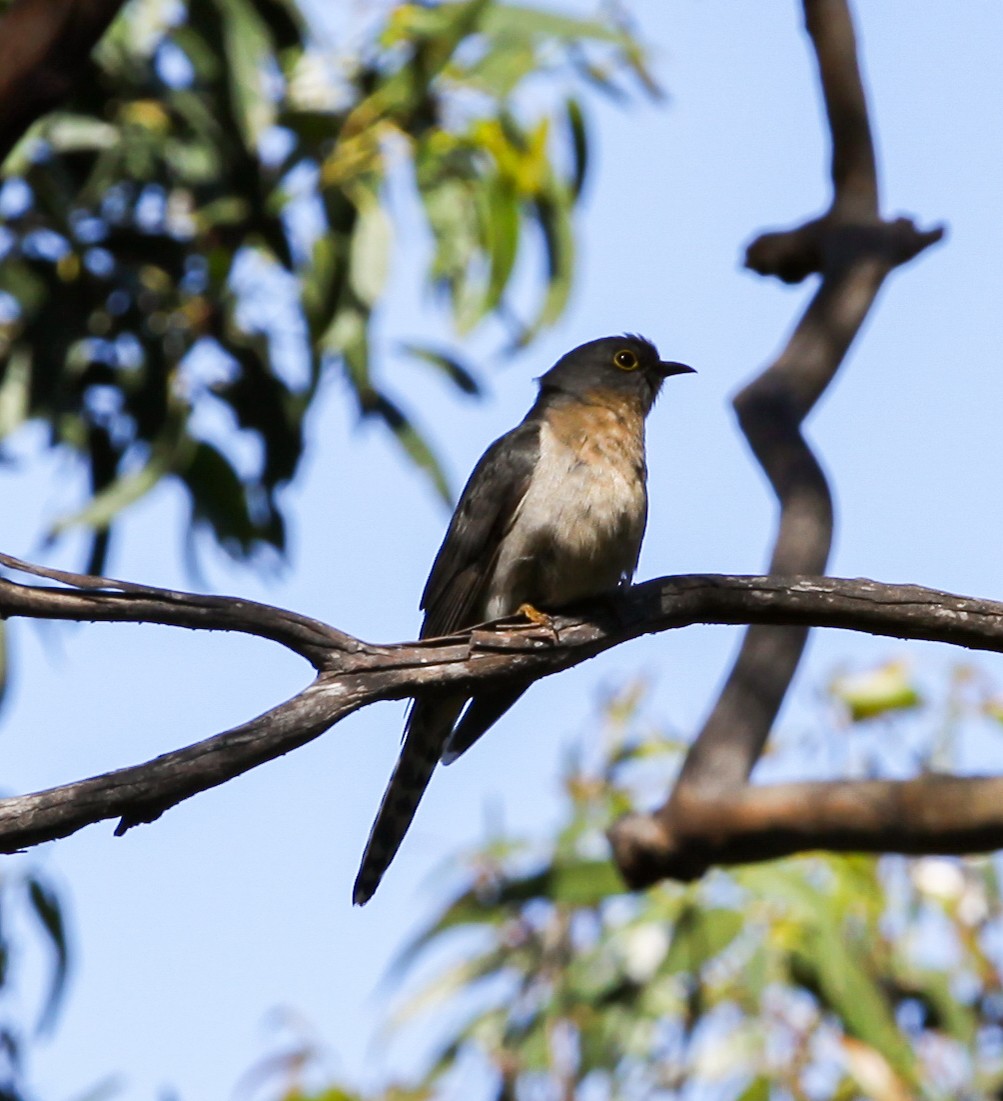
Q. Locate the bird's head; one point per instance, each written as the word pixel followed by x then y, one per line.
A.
pixel 625 367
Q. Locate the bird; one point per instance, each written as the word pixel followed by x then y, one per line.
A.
pixel 553 513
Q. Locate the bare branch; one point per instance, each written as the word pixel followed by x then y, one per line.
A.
pixel 932 814
pixel 354 673
pixel 105 600
pixel 143 792
pixel 854 173
pixel 855 251
pixel 44 47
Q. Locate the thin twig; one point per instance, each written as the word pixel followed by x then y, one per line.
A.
pixel 102 599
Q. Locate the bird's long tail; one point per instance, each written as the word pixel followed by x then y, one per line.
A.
pixel 484 711
pixel 428 727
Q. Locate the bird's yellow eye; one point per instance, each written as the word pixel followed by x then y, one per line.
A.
pixel 626 360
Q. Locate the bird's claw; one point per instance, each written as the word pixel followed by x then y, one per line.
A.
pixel 539 619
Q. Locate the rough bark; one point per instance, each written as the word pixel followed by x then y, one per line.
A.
pixel 944 814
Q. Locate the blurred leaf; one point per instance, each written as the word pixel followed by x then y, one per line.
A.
pixel 555 221
pixel 413 443
pixel 585 883
pixel 248 51
pixel 827 964
pixel 877 692
pixel 218 498
pixel 103 507
pixel 757 1090
pixel 699 936
pixel 874 1073
pixel 15 392
pixel 369 260
pixel 108 1088
pixel 502 223
pixel 332 1093
pixel 49 913
pixel 461 376
pixel 579 145
pixel 523 19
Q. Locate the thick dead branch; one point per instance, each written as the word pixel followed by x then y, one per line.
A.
pixel 854 174
pixel 44 47
pixel 353 673
pixel 855 251
pixel 932 814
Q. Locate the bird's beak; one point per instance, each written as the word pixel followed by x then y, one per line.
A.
pixel 671 368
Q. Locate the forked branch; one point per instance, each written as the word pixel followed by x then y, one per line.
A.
pixel 854 250
pixel 352 674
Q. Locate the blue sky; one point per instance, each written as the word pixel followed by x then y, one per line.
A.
pixel 189 932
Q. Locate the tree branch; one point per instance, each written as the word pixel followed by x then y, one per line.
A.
pixel 932 814
pixel 854 250
pixel 103 599
pixel 353 673
pixel 44 47
pixel 855 253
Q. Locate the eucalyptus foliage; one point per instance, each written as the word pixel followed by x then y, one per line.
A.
pixel 204 232
pixel 827 978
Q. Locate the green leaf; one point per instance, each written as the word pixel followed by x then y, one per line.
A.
pixel 944 1010
pixel 71 132
pixel 469 908
pixel 15 390
pixel 205 60
pixel 411 440
pixel 507 62
pixel 554 216
pixel 826 964
pixel 219 498
pixel 523 19
pixel 49 913
pixel 461 376
pixel 285 22
pixel 877 692
pixel 758 1089
pixel 584 883
pixel 369 258
pixel 502 236
pixel 103 507
pixel 579 145
pixel 700 935
pixel 319 281
pixel 248 50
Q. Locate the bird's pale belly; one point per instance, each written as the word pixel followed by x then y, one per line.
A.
pixel 578 530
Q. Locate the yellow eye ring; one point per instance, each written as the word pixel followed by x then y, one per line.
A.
pixel 626 360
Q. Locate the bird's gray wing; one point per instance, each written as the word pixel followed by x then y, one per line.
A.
pixel 483 515
pixel 451 601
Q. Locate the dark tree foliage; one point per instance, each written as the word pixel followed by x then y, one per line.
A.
pixel 201 234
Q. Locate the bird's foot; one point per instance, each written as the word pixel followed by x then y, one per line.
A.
pixel 539 619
